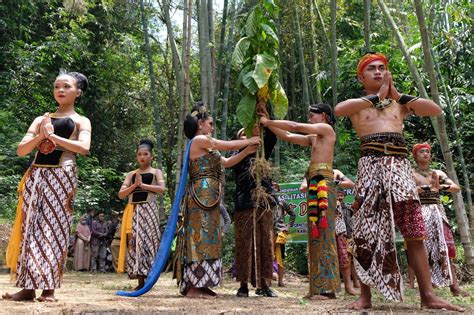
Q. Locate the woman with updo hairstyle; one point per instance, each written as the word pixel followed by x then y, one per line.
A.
pixel 199 247
pixel 37 249
pixel 140 234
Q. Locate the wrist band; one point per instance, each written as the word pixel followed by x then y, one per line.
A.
pixel 406 99
pixel 426 188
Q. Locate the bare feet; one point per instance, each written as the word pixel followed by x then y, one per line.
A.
pixel 360 304
pixel 199 293
pixel 208 292
pixel 22 295
pixel 459 292
pixel 47 296
pixel 316 297
pixel 350 291
pixel 437 303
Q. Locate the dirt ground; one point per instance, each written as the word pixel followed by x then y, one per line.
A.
pixel 86 293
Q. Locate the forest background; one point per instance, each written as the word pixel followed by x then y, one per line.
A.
pixel 148 61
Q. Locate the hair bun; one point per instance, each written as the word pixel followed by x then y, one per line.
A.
pixel 190 125
pixel 146 142
pixel 82 81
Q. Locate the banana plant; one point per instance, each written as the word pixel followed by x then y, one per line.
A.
pixel 256 59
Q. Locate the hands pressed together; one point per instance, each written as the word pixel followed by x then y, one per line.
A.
pixel 388 89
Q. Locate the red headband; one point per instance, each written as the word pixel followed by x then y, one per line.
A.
pixel 368 58
pixel 418 147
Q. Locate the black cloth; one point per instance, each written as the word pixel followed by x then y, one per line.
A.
pixel 63 127
pixel 243 179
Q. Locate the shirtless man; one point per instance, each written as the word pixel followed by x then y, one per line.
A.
pixel 440 240
pixel 319 134
pixel 385 187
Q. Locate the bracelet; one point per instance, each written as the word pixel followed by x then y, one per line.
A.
pixel 406 99
pixel 426 188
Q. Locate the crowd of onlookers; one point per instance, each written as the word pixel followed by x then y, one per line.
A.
pixel 95 244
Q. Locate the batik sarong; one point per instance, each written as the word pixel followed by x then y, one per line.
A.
pixel 435 243
pixel 322 249
pixel 48 199
pixel 199 244
pixel 448 234
pixel 144 241
pixel 341 239
pixel 385 197
pixel 245 252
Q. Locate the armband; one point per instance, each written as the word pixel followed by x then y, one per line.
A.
pixel 372 98
pixel 406 99
pixel 445 187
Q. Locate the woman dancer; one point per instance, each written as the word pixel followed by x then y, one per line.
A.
pixel 199 246
pixel 37 249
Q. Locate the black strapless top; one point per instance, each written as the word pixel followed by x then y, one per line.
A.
pixel 64 128
pixel 140 195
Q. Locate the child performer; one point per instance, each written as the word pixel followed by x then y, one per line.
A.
pixel 140 233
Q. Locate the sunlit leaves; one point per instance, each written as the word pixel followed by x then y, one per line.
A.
pixel 279 101
pixel 264 65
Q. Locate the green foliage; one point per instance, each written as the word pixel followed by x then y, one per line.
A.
pixel 256 56
pixel 297 258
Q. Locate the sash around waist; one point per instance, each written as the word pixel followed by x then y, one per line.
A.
pixel 324 169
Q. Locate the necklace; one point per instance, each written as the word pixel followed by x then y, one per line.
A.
pixel 424 172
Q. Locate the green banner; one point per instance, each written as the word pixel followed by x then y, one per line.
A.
pixel 290 192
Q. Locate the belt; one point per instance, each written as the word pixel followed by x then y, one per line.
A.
pixel 324 169
pixel 429 201
pixel 387 149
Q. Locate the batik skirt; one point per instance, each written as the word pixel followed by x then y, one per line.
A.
pixel 48 199
pixel 144 241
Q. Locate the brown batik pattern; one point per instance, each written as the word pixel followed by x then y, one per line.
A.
pixel 436 247
pixel 385 185
pixel 244 249
pixel 46 227
pixel 145 239
pixel 199 243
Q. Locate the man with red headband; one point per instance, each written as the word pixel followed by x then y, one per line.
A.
pixel 386 194
pixel 439 242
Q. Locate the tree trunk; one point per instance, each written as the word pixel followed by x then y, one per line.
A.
pixel 220 57
pixel 304 77
pixel 367 4
pixel 154 98
pixel 165 9
pixel 323 26
pixel 461 217
pixel 203 33
pixel 333 53
pixel 465 172
pixel 225 95
pixel 440 130
pixel 211 57
pixel 319 98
